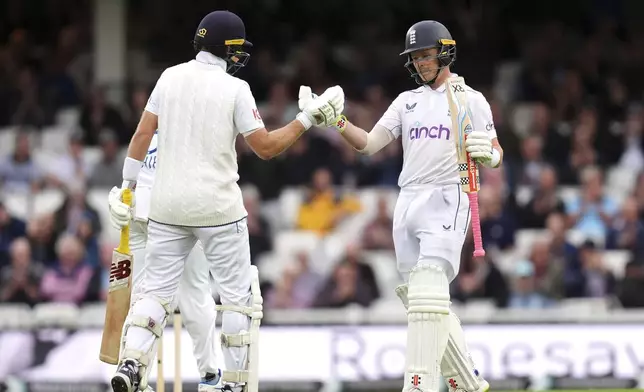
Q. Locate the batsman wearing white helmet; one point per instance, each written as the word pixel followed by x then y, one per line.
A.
pixel 199 109
pixel 194 296
pixel 432 215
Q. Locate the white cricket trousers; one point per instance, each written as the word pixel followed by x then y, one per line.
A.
pixel 430 225
pixel 194 297
pixel 227 250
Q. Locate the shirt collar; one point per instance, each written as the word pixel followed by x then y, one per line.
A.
pixel 440 88
pixel 209 58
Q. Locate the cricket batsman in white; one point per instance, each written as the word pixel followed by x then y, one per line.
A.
pixel 194 296
pixel 432 215
pixel 199 109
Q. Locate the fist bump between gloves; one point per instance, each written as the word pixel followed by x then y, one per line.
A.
pixel 320 110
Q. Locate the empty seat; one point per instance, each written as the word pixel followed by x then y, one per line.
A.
pixel 55 139
pixel 384 267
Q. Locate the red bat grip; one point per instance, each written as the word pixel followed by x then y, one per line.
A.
pixel 476 224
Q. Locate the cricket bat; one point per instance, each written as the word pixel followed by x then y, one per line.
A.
pixel 468 169
pixel 119 293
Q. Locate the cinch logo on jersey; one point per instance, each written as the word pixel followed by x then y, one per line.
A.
pixel 433 132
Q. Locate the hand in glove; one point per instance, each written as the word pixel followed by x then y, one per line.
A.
pixel 323 110
pixel 120 213
pixel 479 146
pixel 305 97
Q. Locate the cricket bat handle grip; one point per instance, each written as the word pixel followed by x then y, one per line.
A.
pixel 476 224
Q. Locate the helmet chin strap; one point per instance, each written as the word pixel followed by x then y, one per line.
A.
pixel 433 80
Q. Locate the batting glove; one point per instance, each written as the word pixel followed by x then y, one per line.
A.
pixel 479 146
pixel 120 213
pixel 305 97
pixel 324 109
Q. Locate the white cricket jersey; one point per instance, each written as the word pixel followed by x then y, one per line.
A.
pixel 144 182
pixel 422 118
pixel 201 110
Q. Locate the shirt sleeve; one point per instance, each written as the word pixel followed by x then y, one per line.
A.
pixel 482 115
pixel 392 119
pixel 155 97
pixel 247 118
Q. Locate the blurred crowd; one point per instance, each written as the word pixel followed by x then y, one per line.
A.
pixel 585 117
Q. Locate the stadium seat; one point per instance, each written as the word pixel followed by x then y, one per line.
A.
pixel 92 315
pixel 524 239
pixel 384 267
pixel 7 140
pixel 56 314
pixel 568 193
pixel 620 180
pixel 616 260
pixel 55 139
pixel 289 201
pixel 18 204
pixel 92 155
pixel 97 198
pixel 48 201
pixel 68 118
pixel 523 195
pixel 521 119
pixel 15 316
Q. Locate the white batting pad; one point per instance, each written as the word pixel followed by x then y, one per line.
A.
pixel 457 367
pixel 240 338
pixel 428 327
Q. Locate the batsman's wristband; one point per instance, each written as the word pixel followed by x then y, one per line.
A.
pixel 341 123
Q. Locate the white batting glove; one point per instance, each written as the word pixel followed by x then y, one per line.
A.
pixel 324 109
pixel 305 97
pixel 479 146
pixel 120 213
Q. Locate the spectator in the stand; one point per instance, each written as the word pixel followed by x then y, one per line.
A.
pixel 533 161
pixel 280 106
pixel 75 216
pixel 479 279
pixel 68 280
pixel 97 114
pixel 563 254
pixel 258 229
pixel 377 234
pixel 71 167
pixel 109 169
pixel 627 230
pixel 544 202
pixel 323 208
pixel 549 276
pixel 631 289
pixel 365 273
pixel 592 212
pixel 638 193
pixel 10 229
pixel 632 157
pixel 498 224
pixel 29 110
pixel 40 232
pixel 18 171
pixel 298 286
pixel 524 289
pixel 598 281
pixel 19 282
pixel 583 153
pixel 343 288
